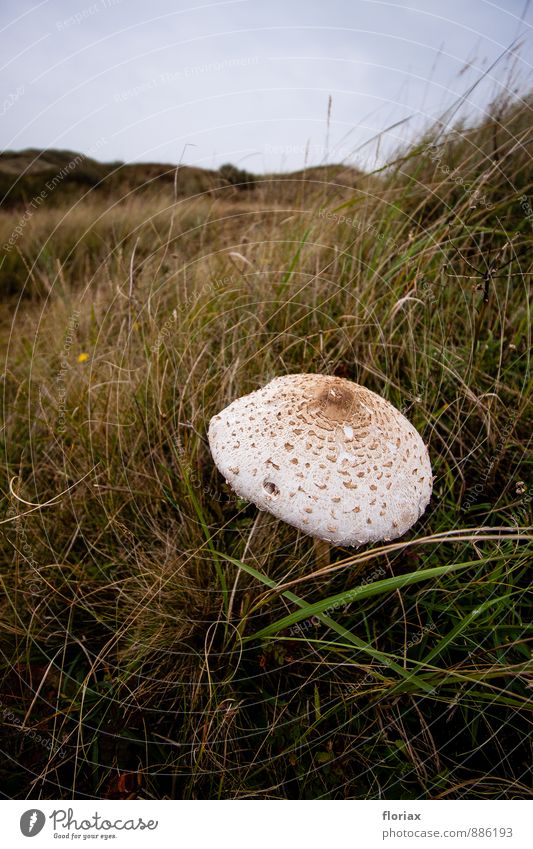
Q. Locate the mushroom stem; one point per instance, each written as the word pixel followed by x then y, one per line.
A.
pixel 322 552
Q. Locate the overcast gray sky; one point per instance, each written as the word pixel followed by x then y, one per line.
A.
pixel 247 81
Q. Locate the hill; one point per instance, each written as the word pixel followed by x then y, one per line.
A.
pixel 65 176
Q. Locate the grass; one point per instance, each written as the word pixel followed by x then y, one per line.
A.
pixel 160 638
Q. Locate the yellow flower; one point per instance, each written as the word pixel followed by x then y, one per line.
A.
pixel 82 358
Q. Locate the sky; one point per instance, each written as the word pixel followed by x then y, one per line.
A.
pixel 266 84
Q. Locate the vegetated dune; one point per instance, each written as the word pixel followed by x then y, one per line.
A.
pixel 44 192
pixel 65 176
pixel 25 174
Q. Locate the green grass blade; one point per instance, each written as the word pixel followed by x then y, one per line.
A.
pixel 347 635
pixel 387 585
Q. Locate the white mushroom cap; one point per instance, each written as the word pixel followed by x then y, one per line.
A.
pixel 326 455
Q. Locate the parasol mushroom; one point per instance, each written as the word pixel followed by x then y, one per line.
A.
pixel 326 455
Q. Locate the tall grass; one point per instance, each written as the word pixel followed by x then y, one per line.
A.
pixel 164 638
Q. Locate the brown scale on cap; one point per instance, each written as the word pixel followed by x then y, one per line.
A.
pixel 338 403
pixel 359 453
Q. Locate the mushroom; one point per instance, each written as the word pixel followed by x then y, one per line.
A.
pixel 325 455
